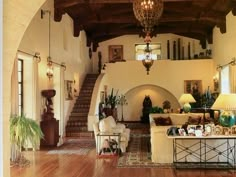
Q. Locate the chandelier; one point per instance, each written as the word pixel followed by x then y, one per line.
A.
pixel 147 61
pixel 148 12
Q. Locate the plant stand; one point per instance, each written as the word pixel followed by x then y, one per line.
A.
pixel 49 125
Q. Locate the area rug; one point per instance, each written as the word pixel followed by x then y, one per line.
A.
pixel 74 147
pixel 138 154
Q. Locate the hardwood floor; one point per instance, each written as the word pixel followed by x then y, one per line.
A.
pixel 45 165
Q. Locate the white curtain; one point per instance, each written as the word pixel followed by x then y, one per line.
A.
pixel 225 80
pixel 35 92
pixel 14 103
pixel 232 75
pixel 62 101
pixel 14 89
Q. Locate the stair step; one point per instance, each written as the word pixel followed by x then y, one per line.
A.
pixel 76 129
pixel 83 101
pixel 79 114
pixel 89 82
pixel 86 91
pixel 76 110
pixel 77 123
pixel 92 75
pixel 78 118
pixel 83 98
pixel 87 134
pixel 80 105
pixel 85 94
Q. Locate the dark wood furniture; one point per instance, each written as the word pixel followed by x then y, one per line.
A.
pixel 49 125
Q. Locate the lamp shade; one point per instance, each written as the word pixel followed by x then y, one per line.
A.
pixel 225 102
pixel 187 98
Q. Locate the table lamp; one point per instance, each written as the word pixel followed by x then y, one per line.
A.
pixel 186 98
pixel 226 103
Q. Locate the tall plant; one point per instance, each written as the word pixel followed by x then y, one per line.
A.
pixel 24 132
pixel 112 99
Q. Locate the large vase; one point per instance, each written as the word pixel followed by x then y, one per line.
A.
pixel 227 119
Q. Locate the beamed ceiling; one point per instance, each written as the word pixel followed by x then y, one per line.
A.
pixel 107 19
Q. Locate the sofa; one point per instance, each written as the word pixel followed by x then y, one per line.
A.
pixel 161 145
pixel 108 126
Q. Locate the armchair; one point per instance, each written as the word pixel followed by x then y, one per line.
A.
pixel 109 126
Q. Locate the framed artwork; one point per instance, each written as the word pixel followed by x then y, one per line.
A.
pixel 115 53
pixel 218 130
pixel 193 86
pixel 69 90
pixel 233 130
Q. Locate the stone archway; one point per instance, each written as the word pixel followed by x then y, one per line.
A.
pixel 16 18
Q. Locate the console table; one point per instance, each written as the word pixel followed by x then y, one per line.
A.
pixel 209 152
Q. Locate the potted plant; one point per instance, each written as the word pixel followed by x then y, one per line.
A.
pixel 112 99
pixel 24 132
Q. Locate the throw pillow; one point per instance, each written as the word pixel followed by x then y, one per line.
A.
pixel 162 121
pixel 194 120
pixel 207 120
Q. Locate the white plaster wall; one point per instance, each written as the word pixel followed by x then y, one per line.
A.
pixel 166 79
pixel 63 48
pixel 17 15
pixel 129 41
pixel 224 44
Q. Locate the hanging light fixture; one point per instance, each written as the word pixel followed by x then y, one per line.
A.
pixel 147 61
pixel 49 71
pixel 50 68
pixel 148 12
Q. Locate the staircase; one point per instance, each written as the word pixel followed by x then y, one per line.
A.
pixel 77 123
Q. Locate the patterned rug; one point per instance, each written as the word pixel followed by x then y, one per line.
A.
pixel 138 154
pixel 74 147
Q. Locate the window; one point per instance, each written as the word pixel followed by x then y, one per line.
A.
pixel 20 85
pixel 225 81
pixel 156 51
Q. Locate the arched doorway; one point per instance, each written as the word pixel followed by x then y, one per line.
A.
pixel 16 18
pixel 135 97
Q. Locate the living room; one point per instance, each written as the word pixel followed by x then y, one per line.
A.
pixel 130 78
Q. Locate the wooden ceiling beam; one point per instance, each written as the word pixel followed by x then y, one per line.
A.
pixel 132 19
pixel 69 3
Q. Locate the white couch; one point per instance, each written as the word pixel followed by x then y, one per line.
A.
pixel 161 145
pixel 109 126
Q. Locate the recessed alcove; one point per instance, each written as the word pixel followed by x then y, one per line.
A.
pixel 135 97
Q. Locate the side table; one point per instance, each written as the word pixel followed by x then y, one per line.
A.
pixel 106 139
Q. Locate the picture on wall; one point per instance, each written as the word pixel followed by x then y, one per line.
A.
pixel 115 53
pixel 68 90
pixel 193 87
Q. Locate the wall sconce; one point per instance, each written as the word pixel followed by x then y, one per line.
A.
pixel 216 82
